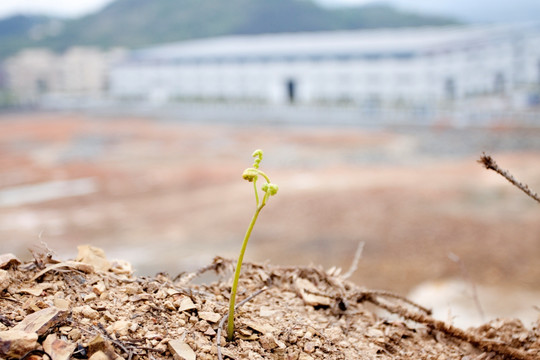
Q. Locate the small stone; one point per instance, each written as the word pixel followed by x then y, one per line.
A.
pixel 309 347
pixel 99 355
pixel 98 344
pixel 90 297
pixel 58 349
pixel 268 342
pixel 210 332
pixel 261 327
pixel 150 335
pixel 304 356
pixel 16 343
pixel 181 350
pixel 185 304
pixel 41 321
pixel 209 316
pixel 61 303
pixel 108 316
pixel 86 311
pixel 169 305
pixel 99 288
pixel 121 267
pixel 8 259
pixel 172 292
pixel 121 327
pixel 93 256
pixel 202 326
pixel 4 280
pixel 374 333
pixel 75 334
pixel 131 289
pixel 292 355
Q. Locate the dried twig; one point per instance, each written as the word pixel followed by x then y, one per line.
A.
pixel 356 260
pixel 222 321
pixel 490 164
pixel 483 344
pixel 368 294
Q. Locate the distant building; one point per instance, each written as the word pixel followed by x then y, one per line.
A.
pixel 29 73
pixel 393 67
pixel 80 71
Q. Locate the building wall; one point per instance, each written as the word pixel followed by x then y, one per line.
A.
pixel 34 73
pixel 495 67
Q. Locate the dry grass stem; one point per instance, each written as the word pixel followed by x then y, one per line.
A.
pixel 356 260
pixel 490 164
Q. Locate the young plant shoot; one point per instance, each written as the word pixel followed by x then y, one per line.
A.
pixel 252 175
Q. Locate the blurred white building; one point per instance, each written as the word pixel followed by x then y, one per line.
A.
pixel 391 67
pixel 79 71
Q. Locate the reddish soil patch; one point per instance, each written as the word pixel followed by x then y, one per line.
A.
pixel 170 198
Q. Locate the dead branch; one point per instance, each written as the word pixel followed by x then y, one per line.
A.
pixel 490 164
pixel 483 344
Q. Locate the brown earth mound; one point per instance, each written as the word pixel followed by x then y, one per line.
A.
pixel 96 309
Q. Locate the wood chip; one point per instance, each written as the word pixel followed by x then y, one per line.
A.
pixel 36 290
pixel 308 292
pixel 57 348
pixel 181 350
pixel 16 343
pixel 41 321
pixel 8 259
pixel 69 265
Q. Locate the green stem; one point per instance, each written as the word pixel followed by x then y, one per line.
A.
pixel 230 323
pixel 256 193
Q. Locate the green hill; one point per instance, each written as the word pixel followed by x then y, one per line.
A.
pixel 135 23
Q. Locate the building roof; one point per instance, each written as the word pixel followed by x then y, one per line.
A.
pixel 398 42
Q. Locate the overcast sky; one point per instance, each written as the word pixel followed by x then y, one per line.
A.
pixel 73 8
pixel 69 8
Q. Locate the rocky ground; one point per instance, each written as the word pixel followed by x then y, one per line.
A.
pixel 167 196
pixel 91 308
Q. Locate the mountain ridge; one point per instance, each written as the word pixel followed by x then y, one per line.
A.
pixel 120 23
